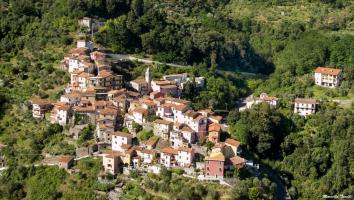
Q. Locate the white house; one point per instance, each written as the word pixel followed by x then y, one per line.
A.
pixel 234 145
pixel 188 134
pixel 304 107
pixel 111 162
pixel 61 114
pixel 328 77
pixel 148 156
pixel 272 101
pixel 168 157
pixel 139 115
pixel 84 44
pixel 70 98
pixel 176 139
pixel 185 157
pixel 74 64
pixel 120 138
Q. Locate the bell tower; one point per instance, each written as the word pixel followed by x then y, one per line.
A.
pixel 148 78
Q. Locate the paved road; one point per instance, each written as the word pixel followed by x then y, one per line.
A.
pixel 126 57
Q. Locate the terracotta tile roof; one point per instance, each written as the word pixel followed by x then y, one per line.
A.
pixel 232 142
pixel 122 134
pixel 148 151
pixel 63 107
pixel 180 107
pixel 84 108
pixel 85 75
pixel 167 105
pixel 107 111
pixel 216 156
pixel 199 117
pixel 327 70
pixel 140 110
pixel 191 113
pixel 41 102
pixel 214 127
pixel 104 74
pixel 81 50
pixel 269 98
pixel 207 111
pixel 237 160
pixel 185 149
pixel 187 129
pixel 112 154
pixel 305 101
pixel 169 150
pixel 161 121
pixel 163 82
pixel 216 117
pixel 152 141
pixel 139 81
pixel 65 159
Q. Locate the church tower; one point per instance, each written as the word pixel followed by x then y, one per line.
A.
pixel 148 78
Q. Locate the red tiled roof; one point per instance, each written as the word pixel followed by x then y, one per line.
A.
pixel 214 127
pixel 41 102
pixel 185 149
pixel 122 134
pixel 305 101
pixel 232 142
pixel 140 110
pixel 112 154
pixel 169 150
pixel 216 117
pixel 186 129
pixel 327 70
pixel 104 74
pixel 161 121
pixel 65 159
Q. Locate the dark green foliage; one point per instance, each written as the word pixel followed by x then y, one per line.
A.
pixel 145 135
pixel 262 129
pixel 33 183
pixel 254 189
pixel 318 157
pixel 86 134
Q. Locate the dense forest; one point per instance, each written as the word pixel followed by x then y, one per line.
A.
pixel 282 41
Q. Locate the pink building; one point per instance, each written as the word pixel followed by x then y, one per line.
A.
pixel 214 165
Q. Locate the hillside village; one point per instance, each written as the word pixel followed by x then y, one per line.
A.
pixel 121 110
pixel 180 100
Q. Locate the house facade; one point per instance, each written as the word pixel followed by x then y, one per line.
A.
pixel 214 165
pixel 304 107
pixel 185 157
pixel 328 77
pixel 120 138
pixel 111 162
pixel 162 128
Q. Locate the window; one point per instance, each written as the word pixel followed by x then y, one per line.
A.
pixel 219 169
pixel 207 168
